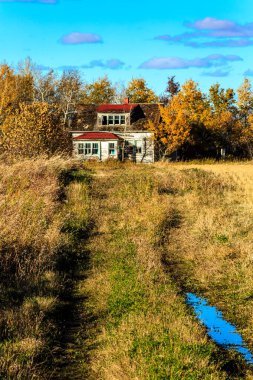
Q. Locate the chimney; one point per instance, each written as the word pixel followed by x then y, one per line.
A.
pixel 126 101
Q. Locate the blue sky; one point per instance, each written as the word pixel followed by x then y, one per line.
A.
pixel 207 41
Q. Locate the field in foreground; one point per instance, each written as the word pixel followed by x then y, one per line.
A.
pixel 127 241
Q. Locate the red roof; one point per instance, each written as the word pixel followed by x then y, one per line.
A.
pixel 97 136
pixel 116 107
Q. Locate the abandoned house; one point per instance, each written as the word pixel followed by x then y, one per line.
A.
pixel 117 131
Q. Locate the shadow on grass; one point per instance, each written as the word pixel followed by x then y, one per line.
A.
pixel 72 319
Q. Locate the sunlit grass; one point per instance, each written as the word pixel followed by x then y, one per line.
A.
pixel 146 330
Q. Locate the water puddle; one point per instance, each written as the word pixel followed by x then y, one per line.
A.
pixel 219 330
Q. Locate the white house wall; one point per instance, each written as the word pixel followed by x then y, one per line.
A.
pixel 136 139
pixel 141 139
pixel 103 152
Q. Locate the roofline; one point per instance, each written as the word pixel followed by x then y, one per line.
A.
pixel 125 132
pixel 113 104
pixel 100 139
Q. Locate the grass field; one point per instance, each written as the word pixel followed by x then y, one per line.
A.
pixel 37 250
pixel 126 243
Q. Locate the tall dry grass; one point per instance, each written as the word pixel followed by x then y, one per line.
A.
pixel 31 240
pixel 158 230
pixel 211 250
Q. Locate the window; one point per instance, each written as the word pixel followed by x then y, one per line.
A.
pixel 111 149
pixel 80 148
pixel 87 149
pixel 112 119
pixel 138 148
pixel 94 148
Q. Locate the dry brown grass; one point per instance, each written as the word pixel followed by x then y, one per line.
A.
pixel 159 229
pixel 211 251
pixel 31 237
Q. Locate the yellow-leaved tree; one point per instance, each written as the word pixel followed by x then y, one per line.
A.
pixel 34 129
pixel 138 92
pixel 183 119
pixel 14 88
pixel 98 92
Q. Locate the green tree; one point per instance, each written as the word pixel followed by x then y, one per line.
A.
pixel 245 101
pixel 223 118
pixel 245 107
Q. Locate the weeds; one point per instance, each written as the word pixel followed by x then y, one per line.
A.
pixel 32 242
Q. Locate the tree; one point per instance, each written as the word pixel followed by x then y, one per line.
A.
pixel 245 107
pixel 8 91
pixel 98 92
pixel 173 87
pixel 68 92
pixel 25 81
pixel 34 129
pixel 138 92
pixel 120 93
pixel 245 101
pixel 45 87
pixel 223 117
pixel 183 119
pixel 14 88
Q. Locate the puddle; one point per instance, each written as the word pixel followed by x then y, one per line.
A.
pixel 219 330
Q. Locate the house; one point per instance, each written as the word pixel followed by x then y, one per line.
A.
pixel 97 145
pixel 117 131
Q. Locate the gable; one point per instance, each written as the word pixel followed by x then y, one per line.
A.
pixel 86 117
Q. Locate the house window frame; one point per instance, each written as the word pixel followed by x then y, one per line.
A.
pixel 95 149
pixel 80 148
pixel 111 119
pixel 112 148
pixel 87 149
pixel 138 147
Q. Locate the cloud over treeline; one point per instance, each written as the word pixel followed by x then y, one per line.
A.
pixel 214 60
pixel 224 33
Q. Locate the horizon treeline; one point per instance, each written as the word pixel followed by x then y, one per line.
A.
pixel 36 107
